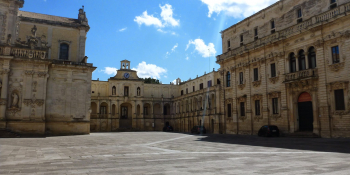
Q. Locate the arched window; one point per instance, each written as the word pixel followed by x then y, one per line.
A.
pixel 64 50
pixel 312 58
pixel 114 90
pixel 292 63
pixel 228 79
pixel 302 61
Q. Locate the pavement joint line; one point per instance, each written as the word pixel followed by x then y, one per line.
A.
pixel 152 143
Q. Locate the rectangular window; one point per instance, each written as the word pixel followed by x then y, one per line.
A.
pixel 242 109
pixel 333 4
pixel 273 27
pixel 273 70
pixel 126 91
pixel 201 86
pixel 229 110
pixel 275 105
pixel 256 74
pixel 241 40
pixel 256 34
pixel 228 44
pixel 186 90
pixel 299 13
pixel 335 54
pixel 257 107
pixel 182 92
pixel 209 83
pixel 339 99
pixel 218 81
pixel 193 88
pixel 241 78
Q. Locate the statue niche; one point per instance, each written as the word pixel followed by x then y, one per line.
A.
pixel 14 100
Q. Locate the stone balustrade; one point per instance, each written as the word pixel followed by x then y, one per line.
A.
pixel 278 35
pixel 310 73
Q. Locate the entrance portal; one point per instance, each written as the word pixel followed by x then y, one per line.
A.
pixel 305 112
pixel 125 121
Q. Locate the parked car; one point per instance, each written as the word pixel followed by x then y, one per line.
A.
pixel 168 128
pixel 198 130
pixel 269 130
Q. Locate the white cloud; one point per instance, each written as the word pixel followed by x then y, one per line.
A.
pixel 166 18
pixel 172 50
pixel 187 58
pixel 148 20
pixel 109 70
pixel 162 31
pixel 201 48
pixel 236 8
pixel 167 15
pixel 123 29
pixel 145 70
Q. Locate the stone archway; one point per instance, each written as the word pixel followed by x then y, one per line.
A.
pixel 125 120
pixel 305 112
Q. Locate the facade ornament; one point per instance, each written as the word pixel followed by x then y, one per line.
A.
pixel 242 117
pixel 274 94
pixel 336 67
pixel 242 99
pixel 275 116
pixel 273 80
pixel 256 83
pixel 338 85
pixel 82 16
pixel 257 97
pixel 8 42
pixel 42 74
pixel 29 72
pixel 3 101
pixel 258 118
pixel 241 86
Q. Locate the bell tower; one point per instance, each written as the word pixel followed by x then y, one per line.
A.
pixel 125 64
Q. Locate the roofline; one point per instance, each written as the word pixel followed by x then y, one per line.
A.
pixel 255 14
pixel 47 15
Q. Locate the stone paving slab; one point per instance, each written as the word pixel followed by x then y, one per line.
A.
pixel 173 153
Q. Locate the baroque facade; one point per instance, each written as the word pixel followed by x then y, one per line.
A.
pixel 288 65
pixel 126 102
pixel 45 78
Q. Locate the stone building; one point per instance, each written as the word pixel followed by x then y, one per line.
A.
pixel 126 102
pixel 44 74
pixel 288 65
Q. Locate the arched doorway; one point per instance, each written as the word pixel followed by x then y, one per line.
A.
pixel 125 120
pixel 305 112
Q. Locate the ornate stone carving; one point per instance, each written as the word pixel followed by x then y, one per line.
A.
pixel 12 111
pixel 27 102
pixel 336 67
pixel 33 102
pixel 242 118
pixel 29 72
pixel 273 80
pixel 256 83
pixel 338 85
pixel 258 118
pixel 257 97
pixel 275 117
pixel 242 99
pixel 274 94
pixel 241 86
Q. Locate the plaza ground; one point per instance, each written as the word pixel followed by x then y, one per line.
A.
pixel 173 153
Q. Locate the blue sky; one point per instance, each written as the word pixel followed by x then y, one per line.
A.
pixel 162 39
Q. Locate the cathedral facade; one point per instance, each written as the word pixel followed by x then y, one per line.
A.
pixel 45 78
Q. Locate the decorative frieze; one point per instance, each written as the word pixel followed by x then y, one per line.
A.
pixel 3 101
pixel 241 86
pixel 338 85
pixel 275 116
pixel 33 102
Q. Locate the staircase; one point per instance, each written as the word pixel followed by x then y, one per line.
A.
pixel 302 134
pixel 6 133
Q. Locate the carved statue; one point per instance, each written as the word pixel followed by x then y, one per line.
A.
pixel 113 91
pixel 34 29
pixel 138 91
pixel 14 100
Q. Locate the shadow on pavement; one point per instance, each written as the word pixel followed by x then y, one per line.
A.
pixel 340 145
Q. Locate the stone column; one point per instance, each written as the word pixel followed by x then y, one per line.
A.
pixel 306 60
pixel 297 63
pixel 3 100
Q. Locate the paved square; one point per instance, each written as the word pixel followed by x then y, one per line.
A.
pixel 173 153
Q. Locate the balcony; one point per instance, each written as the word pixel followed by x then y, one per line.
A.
pixel 304 74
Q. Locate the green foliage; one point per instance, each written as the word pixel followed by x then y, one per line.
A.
pixel 150 80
